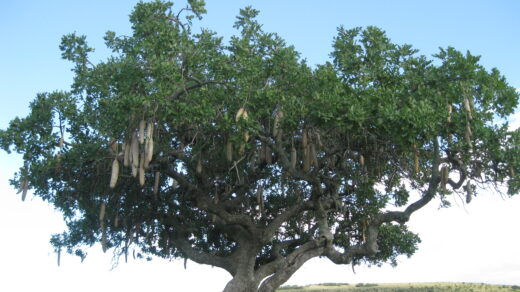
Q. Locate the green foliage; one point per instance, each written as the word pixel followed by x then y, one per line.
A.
pixel 366 130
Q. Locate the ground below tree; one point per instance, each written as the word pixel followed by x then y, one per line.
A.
pixel 418 287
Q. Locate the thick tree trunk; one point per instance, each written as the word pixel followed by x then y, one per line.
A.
pixel 241 284
pixel 244 279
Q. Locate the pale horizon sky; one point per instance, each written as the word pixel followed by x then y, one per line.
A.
pixel 465 243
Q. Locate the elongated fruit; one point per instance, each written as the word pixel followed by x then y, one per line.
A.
pixel 102 210
pixel 199 167
pixel 294 156
pixel 260 198
pixel 229 151
pixel 141 170
pixel 113 145
pixel 268 155
pixel 276 126
pixel 135 151
pixel 135 170
pixel 306 159
pixel 149 144
pixel 142 126
pixel 467 107
pixel 116 221
pixel 156 183
pixel 469 192
pixel 468 140
pixel 126 156
pixel 445 173
pixel 306 152
pixel 149 151
pixel 24 187
pixel 314 155
pixel 115 173
pixel 239 114
pixel 149 130
pixel 305 140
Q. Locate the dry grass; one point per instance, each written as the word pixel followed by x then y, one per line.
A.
pixel 401 287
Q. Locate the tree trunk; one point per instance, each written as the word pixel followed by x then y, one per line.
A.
pixel 241 284
pixel 244 279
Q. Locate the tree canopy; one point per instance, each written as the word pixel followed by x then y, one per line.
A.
pixel 242 156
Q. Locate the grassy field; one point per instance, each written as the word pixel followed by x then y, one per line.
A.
pixel 419 287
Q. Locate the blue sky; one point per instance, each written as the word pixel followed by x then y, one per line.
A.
pixel 30 62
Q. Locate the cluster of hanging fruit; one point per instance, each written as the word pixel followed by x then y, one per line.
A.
pixel 241 114
pixel 137 152
pixel 468 105
pixel 468 108
pixel 309 141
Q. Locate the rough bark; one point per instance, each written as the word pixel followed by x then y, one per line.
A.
pixel 244 277
pixel 288 266
pixel 241 284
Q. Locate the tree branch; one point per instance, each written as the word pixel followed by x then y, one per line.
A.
pixel 428 195
pixel 461 167
pixel 281 270
pixel 271 229
pixel 182 243
pixel 181 179
pixel 198 84
pixel 370 247
pixel 202 257
pixel 286 164
pixel 226 217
